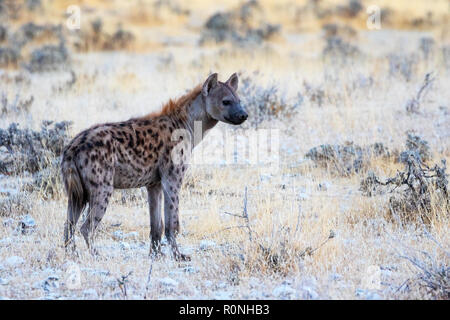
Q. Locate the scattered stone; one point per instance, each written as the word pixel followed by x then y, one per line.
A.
pixel 117 235
pixel 3 281
pixel 90 294
pixel 309 293
pixel 190 269
pixel 367 294
pixel 284 292
pixel 51 283
pixel 9 222
pixel 26 225
pixel 324 186
pixel 223 295
pixel 168 282
pixel 335 277
pixel 14 261
pixel 131 235
pixel 206 245
pixel 125 245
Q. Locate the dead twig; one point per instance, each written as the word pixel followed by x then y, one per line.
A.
pixel 122 281
pixel 413 105
pixel 147 285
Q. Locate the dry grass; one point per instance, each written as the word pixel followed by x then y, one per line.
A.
pixel 310 232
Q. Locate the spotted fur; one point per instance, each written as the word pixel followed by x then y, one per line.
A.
pixel 151 151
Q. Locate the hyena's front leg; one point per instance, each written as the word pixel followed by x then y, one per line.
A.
pixel 98 202
pixel 156 224
pixel 171 187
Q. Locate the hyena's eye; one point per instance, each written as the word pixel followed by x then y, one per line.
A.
pixel 226 102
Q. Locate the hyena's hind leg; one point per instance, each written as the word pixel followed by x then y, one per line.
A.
pixel 73 214
pixel 77 201
pixel 156 223
pixel 98 202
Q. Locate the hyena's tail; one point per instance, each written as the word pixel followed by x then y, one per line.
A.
pixel 77 197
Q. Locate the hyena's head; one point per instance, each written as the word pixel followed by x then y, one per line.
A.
pixel 221 100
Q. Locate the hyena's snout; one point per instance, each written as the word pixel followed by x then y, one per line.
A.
pixel 238 115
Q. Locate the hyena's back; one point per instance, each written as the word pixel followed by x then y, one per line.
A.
pixel 119 155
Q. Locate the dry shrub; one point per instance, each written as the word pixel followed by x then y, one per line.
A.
pixel 15 205
pixel 346 159
pixel 45 42
pixel 49 58
pixel 9 57
pixel 403 66
pixel 243 25
pixel 131 197
pixel 17 106
pixel 47 182
pixel 433 270
pixel 265 102
pixel 419 192
pixel 419 146
pixel 29 150
pixel 413 105
pixel 96 38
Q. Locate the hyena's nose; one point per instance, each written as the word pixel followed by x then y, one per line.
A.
pixel 243 116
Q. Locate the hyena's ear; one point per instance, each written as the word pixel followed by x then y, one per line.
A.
pixel 209 84
pixel 233 81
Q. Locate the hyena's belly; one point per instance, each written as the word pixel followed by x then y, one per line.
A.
pixel 127 176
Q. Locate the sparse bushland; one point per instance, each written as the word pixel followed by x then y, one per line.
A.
pixel 358 185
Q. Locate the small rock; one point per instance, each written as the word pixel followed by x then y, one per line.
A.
pixel 90 294
pixel 265 177
pixel 223 295
pixel 367 294
pixel 4 281
pixel 324 186
pixel 125 245
pixel 309 293
pixel 206 244
pixel 131 235
pixel 14 261
pixel 117 235
pixel 190 269
pixel 9 222
pixel 26 224
pixel 168 282
pixel 5 241
pixel 284 292
pixel 51 283
pixel 335 277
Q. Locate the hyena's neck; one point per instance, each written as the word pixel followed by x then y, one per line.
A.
pixel 198 121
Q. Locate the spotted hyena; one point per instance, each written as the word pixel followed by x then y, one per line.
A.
pixel 144 152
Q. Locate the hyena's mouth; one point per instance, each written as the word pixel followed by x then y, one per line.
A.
pixel 236 120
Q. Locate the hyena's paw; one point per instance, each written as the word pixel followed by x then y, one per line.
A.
pixel 94 252
pixel 71 249
pixel 182 257
pixel 156 254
